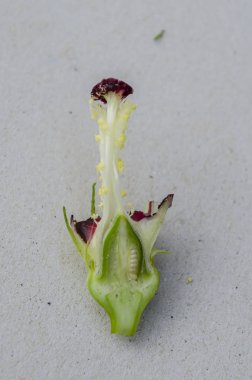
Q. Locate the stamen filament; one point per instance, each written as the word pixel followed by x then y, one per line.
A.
pixel 112 119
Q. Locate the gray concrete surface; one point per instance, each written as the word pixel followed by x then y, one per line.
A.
pixel 190 135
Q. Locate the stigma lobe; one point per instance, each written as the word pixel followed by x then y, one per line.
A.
pixel 101 89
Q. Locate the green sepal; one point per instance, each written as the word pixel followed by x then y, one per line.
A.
pixel 80 245
pixel 160 252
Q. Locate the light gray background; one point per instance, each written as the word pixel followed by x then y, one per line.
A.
pixel 191 135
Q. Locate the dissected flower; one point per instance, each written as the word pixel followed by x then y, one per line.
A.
pixel 117 247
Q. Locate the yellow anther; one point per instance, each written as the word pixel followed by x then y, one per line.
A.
pixel 93 109
pixel 120 165
pixel 102 124
pixel 98 138
pixel 94 216
pixel 123 193
pixel 127 111
pixel 102 191
pixel 93 114
pixel 125 116
pixel 100 167
pixel 121 140
pixel 104 127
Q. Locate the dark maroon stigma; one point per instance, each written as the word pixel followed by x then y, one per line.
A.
pixel 111 85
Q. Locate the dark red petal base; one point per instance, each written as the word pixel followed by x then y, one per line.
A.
pixel 110 85
pixel 139 215
pixel 86 228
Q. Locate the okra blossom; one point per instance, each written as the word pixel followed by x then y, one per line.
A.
pixel 117 246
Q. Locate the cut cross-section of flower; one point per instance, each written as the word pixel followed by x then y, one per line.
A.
pixel 117 247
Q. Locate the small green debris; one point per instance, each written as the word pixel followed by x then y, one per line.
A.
pixel 189 280
pixel 159 35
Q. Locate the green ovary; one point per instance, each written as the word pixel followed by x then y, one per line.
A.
pixel 124 286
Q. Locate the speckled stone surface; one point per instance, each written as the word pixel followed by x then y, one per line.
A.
pixel 191 135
